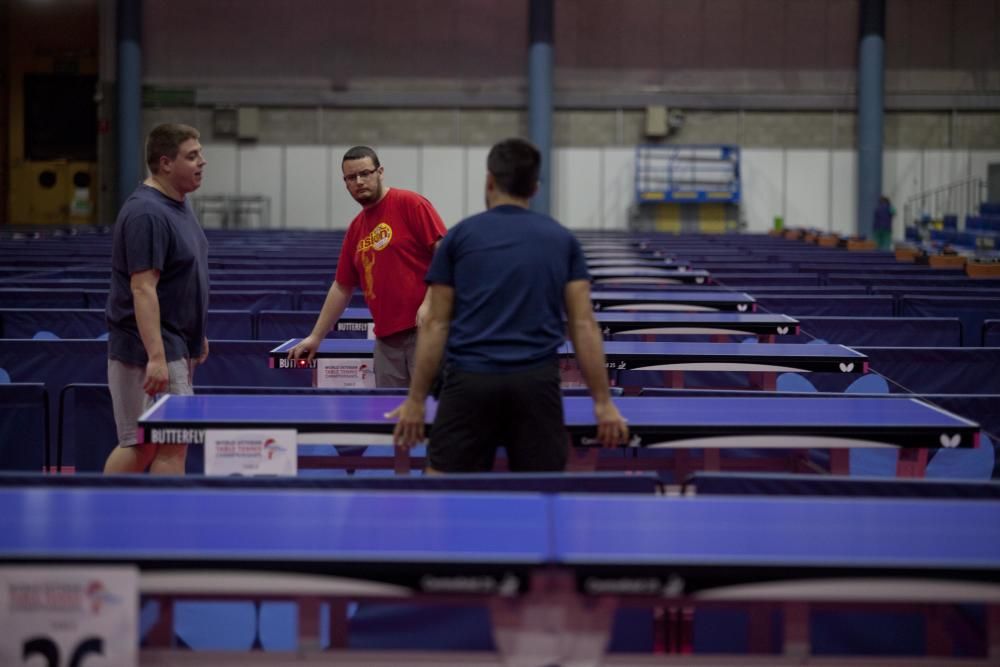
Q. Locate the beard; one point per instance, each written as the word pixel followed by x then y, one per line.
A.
pixel 368 195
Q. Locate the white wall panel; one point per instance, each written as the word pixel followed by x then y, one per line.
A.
pixel 262 171
pixel 943 167
pixel 475 180
pixel 343 208
pixel 844 185
pixel 618 175
pixel 577 194
pixel 402 166
pixel 307 182
pixel 807 189
pixel 763 187
pixel 979 162
pixel 442 176
pixel 221 170
pixel 592 188
pixel 901 179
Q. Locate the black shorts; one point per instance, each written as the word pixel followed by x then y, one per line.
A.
pixel 478 412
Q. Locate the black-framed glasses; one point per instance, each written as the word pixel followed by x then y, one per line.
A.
pixel 364 175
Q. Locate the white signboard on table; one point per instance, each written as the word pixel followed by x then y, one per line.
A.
pixel 63 616
pixel 346 373
pixel 251 452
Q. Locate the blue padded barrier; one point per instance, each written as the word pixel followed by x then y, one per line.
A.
pixel 313 301
pixel 922 280
pixel 263 285
pixel 83 285
pixel 751 280
pixel 889 268
pixel 244 364
pixel 91 323
pixel 252 300
pixel 972 311
pixel 24 427
pixel 818 290
pixel 230 325
pixel 86 433
pixel 941 370
pixel 882 331
pixel 791 484
pixel 55 363
pixel 744 267
pixel 991 333
pixel 18 297
pixel 285 324
pixel 64 322
pixel 823 305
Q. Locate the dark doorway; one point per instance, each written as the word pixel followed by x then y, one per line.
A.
pixel 60 117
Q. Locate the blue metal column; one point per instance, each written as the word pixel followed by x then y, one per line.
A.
pixel 871 49
pixel 130 170
pixel 541 33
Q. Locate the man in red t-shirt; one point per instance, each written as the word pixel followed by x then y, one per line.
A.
pixel 387 250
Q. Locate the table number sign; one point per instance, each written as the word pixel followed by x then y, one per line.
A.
pixel 59 616
pixel 251 452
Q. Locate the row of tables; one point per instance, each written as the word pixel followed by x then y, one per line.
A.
pixel 678 423
pixel 552 567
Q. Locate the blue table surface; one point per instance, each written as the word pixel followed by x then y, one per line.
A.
pixel 258 525
pixel 711 412
pixel 632 262
pixel 824 532
pixel 603 272
pixel 692 318
pixel 678 296
pixel 408 528
pixel 635 316
pixel 612 349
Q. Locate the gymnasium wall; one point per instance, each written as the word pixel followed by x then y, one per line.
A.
pixel 432 84
pixel 592 186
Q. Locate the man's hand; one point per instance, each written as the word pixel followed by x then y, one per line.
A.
pixel 410 427
pixel 307 347
pixel 204 352
pixel 157 377
pixel 422 312
pixel 612 429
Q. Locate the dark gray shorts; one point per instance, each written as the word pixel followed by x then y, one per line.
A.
pixel 479 412
pixel 129 399
pixel 395 359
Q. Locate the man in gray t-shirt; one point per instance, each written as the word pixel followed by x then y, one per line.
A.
pixel 159 296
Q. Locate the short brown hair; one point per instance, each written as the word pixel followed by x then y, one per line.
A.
pixel 515 164
pixel 360 153
pixel 165 140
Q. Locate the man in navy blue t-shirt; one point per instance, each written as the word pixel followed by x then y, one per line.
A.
pixel 159 296
pixel 499 284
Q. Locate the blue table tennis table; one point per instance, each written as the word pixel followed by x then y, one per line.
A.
pixel 632 262
pixel 681 423
pixel 677 300
pixel 653 276
pixel 359 320
pixel 762 362
pixel 508 549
